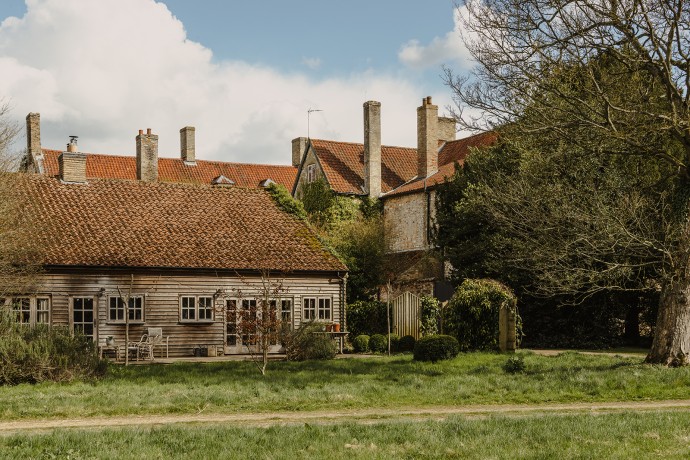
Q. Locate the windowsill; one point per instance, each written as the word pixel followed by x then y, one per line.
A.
pixel 123 323
pixel 196 321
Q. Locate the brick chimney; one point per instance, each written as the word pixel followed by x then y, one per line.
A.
pixel 72 163
pixel 446 129
pixel 427 138
pixel 299 148
pixel 187 145
pixel 33 134
pixel 372 148
pixel 147 156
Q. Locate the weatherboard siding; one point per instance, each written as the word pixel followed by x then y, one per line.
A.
pixel 162 291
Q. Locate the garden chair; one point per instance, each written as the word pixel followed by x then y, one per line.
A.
pixel 139 349
pixel 156 338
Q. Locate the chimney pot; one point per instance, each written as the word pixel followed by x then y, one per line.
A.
pixel 148 131
pixel 141 131
pixel 72 163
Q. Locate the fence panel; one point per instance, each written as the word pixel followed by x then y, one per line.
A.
pixel 406 314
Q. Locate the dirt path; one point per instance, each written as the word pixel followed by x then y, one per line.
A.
pixel 366 416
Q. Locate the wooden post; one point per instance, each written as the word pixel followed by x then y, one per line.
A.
pixel 506 330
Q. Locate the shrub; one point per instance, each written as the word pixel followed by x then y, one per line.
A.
pixel 472 313
pixel 284 200
pixel 302 345
pixel 361 343
pixel 366 317
pixel 436 347
pixel 395 342
pixel 43 353
pixel 430 314
pixel 378 343
pixel 514 365
pixel 406 343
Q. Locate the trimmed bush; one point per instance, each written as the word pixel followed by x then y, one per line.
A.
pixel 406 343
pixel 378 343
pixel 361 343
pixel 395 342
pixel 436 348
pixel 472 314
pixel 366 317
pixel 42 353
pixel 302 345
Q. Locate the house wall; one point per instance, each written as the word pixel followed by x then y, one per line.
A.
pixel 162 291
pixel 406 220
pixel 310 159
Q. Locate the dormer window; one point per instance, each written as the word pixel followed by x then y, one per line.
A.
pixel 222 180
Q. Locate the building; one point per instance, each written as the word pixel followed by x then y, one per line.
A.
pixel 189 257
pixel 403 178
pixel 147 165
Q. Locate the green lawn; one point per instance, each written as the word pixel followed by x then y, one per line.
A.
pixel 624 436
pixel 230 387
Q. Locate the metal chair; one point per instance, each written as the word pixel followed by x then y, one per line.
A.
pixel 156 338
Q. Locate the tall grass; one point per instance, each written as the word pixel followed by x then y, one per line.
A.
pixel 624 436
pixel 471 378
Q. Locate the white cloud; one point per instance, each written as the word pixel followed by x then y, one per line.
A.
pixel 103 69
pixel 312 63
pixel 441 50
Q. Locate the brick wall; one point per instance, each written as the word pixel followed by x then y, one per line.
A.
pixel 405 220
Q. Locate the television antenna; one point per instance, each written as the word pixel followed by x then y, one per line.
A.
pixel 309 111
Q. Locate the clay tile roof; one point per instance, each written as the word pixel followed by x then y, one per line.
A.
pixel 452 152
pixel 343 165
pixel 175 170
pixel 121 223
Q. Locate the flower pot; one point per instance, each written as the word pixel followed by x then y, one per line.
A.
pixel 336 327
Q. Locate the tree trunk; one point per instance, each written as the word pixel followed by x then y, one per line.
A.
pixel 671 345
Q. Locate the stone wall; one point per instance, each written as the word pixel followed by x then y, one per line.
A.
pixel 406 221
pixel 302 178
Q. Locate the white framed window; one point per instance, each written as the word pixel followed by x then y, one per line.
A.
pixel 325 309
pixel 116 309
pixel 196 309
pixel 286 311
pixel 83 316
pixel 309 306
pixel 311 173
pixel 31 310
pixel 317 308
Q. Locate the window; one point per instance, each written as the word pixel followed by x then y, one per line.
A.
pixel 196 308
pixel 31 310
pixel 309 309
pixel 286 311
pixel 82 316
pixel 325 309
pixel 311 173
pixel 21 306
pixel 317 308
pixel 116 309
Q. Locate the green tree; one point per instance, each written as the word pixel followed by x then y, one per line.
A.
pixel 558 68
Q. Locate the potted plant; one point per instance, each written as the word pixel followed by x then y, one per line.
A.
pixel 110 341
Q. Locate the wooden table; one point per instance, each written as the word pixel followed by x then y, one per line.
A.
pixel 104 349
pixel 339 336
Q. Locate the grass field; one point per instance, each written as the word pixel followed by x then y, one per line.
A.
pixel 231 387
pixel 624 436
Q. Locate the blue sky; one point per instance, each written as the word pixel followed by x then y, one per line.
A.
pixel 243 72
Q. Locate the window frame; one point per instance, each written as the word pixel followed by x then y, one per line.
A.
pixel 314 311
pixel 195 309
pixel 119 300
pixel 311 173
pixel 33 312
pixel 94 312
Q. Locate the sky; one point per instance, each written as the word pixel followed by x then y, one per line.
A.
pixel 243 73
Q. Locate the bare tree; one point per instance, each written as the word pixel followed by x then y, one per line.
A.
pixel 520 44
pixel 19 253
pixel 259 316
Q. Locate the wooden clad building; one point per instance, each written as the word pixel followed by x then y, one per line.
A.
pixel 189 258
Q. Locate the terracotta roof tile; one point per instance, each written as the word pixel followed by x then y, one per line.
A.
pixel 343 165
pixel 122 223
pixel 175 170
pixel 451 153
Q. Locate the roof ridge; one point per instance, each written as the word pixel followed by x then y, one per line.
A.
pixel 362 144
